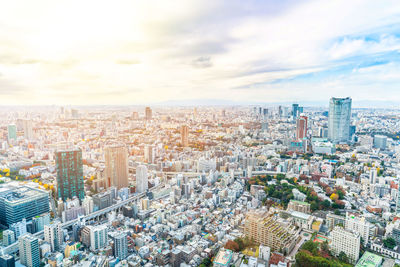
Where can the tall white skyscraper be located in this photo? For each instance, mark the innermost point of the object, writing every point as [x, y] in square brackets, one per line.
[141, 179]
[29, 250]
[339, 119]
[53, 234]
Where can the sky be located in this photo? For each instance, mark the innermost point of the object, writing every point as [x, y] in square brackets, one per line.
[142, 52]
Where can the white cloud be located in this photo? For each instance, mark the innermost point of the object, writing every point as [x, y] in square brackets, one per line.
[124, 52]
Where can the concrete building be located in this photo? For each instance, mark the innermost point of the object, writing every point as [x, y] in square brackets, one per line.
[141, 179]
[300, 206]
[358, 224]
[266, 230]
[22, 202]
[120, 246]
[8, 237]
[98, 236]
[116, 160]
[53, 234]
[345, 241]
[29, 250]
[185, 136]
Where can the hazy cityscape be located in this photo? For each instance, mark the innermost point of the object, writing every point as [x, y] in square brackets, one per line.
[189, 133]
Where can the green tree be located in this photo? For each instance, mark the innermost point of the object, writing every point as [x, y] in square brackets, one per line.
[343, 257]
[389, 242]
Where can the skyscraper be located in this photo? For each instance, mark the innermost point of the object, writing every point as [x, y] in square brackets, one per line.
[148, 113]
[120, 246]
[28, 130]
[295, 110]
[149, 154]
[29, 250]
[339, 119]
[185, 136]
[116, 159]
[141, 179]
[69, 174]
[53, 234]
[301, 129]
[12, 132]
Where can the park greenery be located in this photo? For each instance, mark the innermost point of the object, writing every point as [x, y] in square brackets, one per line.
[280, 192]
[316, 255]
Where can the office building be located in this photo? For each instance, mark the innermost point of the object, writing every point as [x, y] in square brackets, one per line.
[345, 241]
[148, 113]
[380, 141]
[22, 202]
[98, 237]
[53, 234]
[38, 222]
[12, 132]
[223, 258]
[141, 179]
[339, 119]
[8, 237]
[120, 246]
[7, 261]
[69, 168]
[295, 111]
[266, 230]
[301, 128]
[29, 250]
[102, 200]
[185, 136]
[116, 160]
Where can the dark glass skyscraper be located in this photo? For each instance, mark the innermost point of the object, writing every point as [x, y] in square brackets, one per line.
[69, 174]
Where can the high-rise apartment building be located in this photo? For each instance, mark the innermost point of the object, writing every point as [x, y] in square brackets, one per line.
[29, 250]
[339, 119]
[185, 136]
[358, 224]
[345, 241]
[8, 237]
[120, 246]
[141, 179]
[69, 167]
[266, 230]
[149, 154]
[148, 113]
[22, 202]
[301, 128]
[116, 159]
[53, 234]
[98, 236]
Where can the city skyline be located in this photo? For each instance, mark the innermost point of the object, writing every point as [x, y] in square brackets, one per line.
[189, 50]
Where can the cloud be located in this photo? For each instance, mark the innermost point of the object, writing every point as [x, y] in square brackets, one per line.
[202, 62]
[65, 52]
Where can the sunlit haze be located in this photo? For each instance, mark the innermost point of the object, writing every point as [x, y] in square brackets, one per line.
[141, 52]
